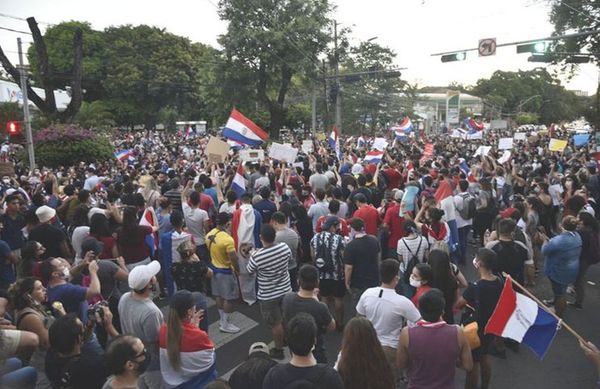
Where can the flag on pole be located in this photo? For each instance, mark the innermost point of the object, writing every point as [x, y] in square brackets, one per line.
[149, 219]
[238, 185]
[445, 201]
[243, 130]
[374, 157]
[519, 318]
[334, 142]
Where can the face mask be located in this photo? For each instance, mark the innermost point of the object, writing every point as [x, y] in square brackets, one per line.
[66, 273]
[6, 181]
[289, 192]
[143, 365]
[475, 263]
[414, 282]
[536, 189]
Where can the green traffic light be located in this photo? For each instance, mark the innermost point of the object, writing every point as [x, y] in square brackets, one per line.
[461, 56]
[539, 47]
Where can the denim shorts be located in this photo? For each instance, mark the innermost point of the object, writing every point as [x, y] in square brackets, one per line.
[559, 290]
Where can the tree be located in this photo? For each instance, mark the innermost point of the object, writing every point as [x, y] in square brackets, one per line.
[96, 114]
[534, 91]
[147, 69]
[273, 40]
[47, 105]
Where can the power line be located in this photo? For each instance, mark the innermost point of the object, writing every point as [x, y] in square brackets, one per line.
[22, 19]
[17, 31]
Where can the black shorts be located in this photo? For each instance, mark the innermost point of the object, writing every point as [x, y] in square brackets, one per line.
[487, 343]
[329, 288]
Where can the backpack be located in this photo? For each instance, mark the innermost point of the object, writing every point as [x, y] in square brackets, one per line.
[324, 259]
[413, 261]
[469, 207]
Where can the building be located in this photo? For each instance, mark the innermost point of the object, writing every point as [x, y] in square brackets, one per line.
[11, 93]
[431, 108]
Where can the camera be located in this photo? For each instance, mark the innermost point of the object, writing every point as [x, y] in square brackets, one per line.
[97, 308]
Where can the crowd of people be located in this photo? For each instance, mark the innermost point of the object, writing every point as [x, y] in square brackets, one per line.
[89, 252]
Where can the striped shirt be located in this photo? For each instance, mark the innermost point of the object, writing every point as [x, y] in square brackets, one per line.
[271, 267]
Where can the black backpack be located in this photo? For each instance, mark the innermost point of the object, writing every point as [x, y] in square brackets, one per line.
[469, 207]
[413, 261]
[324, 260]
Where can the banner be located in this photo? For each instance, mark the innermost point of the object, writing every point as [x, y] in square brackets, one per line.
[505, 144]
[520, 136]
[283, 152]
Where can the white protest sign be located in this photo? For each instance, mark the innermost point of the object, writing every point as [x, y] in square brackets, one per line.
[283, 152]
[505, 144]
[380, 144]
[307, 146]
[505, 157]
[483, 150]
[520, 136]
[252, 155]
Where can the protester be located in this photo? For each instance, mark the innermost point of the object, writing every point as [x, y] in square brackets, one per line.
[126, 359]
[362, 256]
[589, 231]
[251, 373]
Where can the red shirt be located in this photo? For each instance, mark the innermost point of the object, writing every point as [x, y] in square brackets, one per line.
[370, 216]
[420, 292]
[344, 230]
[395, 225]
[394, 177]
[206, 202]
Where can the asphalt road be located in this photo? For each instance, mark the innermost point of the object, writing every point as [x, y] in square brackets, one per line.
[564, 366]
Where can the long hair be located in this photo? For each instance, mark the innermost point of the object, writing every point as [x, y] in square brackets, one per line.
[130, 220]
[443, 279]
[28, 258]
[20, 293]
[363, 363]
[180, 303]
[589, 221]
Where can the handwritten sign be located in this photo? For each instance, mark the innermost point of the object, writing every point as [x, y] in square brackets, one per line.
[216, 150]
[283, 152]
[380, 144]
[505, 144]
[557, 145]
[252, 155]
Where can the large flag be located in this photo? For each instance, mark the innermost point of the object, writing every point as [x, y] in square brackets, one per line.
[242, 129]
[464, 167]
[374, 157]
[149, 219]
[520, 318]
[406, 125]
[445, 201]
[472, 125]
[238, 185]
[428, 152]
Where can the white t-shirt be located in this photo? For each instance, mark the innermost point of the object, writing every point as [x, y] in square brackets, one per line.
[408, 247]
[387, 311]
[194, 221]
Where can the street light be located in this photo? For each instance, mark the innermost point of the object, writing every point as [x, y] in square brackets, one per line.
[372, 39]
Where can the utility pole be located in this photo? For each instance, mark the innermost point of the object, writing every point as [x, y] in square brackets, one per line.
[338, 95]
[26, 116]
[314, 111]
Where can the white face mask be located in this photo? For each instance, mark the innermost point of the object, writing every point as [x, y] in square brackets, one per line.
[289, 192]
[475, 263]
[414, 282]
[66, 273]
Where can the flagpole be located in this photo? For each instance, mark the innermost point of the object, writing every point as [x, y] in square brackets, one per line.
[547, 309]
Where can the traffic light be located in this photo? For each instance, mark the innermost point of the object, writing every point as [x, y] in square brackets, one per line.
[578, 59]
[13, 128]
[535, 47]
[546, 58]
[454, 57]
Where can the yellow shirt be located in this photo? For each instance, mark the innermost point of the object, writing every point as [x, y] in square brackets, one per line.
[219, 249]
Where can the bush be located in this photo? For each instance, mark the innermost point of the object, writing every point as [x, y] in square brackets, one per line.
[68, 145]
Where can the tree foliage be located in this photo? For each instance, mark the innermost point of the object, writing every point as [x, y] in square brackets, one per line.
[270, 41]
[534, 91]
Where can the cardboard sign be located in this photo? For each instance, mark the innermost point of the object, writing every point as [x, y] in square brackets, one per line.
[505, 157]
[216, 150]
[7, 169]
[308, 146]
[483, 150]
[283, 152]
[533, 139]
[505, 144]
[557, 145]
[252, 155]
[380, 144]
[520, 136]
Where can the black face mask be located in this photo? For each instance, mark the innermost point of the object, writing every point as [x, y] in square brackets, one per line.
[143, 365]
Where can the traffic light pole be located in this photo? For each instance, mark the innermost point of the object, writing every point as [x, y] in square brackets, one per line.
[26, 115]
[338, 95]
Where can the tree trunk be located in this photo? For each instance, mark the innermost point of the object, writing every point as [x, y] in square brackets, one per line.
[76, 91]
[43, 67]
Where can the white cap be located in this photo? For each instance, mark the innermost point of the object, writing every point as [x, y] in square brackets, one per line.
[357, 168]
[45, 213]
[141, 275]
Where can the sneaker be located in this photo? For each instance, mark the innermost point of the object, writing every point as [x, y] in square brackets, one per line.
[575, 305]
[229, 328]
[276, 353]
[570, 289]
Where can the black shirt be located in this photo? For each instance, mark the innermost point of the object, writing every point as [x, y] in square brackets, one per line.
[50, 237]
[483, 296]
[363, 254]
[512, 256]
[82, 371]
[189, 275]
[320, 376]
[12, 231]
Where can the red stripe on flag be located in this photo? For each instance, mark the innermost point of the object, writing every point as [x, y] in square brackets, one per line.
[503, 311]
[237, 115]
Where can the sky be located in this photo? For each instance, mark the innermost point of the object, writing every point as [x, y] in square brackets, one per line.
[414, 29]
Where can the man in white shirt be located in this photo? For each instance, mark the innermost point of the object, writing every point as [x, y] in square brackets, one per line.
[91, 179]
[388, 310]
[464, 225]
[196, 221]
[320, 208]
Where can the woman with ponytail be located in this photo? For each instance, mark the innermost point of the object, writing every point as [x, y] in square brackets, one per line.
[187, 355]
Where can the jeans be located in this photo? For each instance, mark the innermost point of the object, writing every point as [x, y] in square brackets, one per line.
[579, 282]
[14, 375]
[294, 278]
[463, 234]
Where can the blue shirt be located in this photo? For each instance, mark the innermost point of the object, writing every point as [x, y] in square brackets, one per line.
[266, 209]
[72, 298]
[212, 192]
[12, 231]
[561, 256]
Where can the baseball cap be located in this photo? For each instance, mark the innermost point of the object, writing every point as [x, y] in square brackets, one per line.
[258, 347]
[507, 213]
[398, 194]
[141, 275]
[45, 213]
